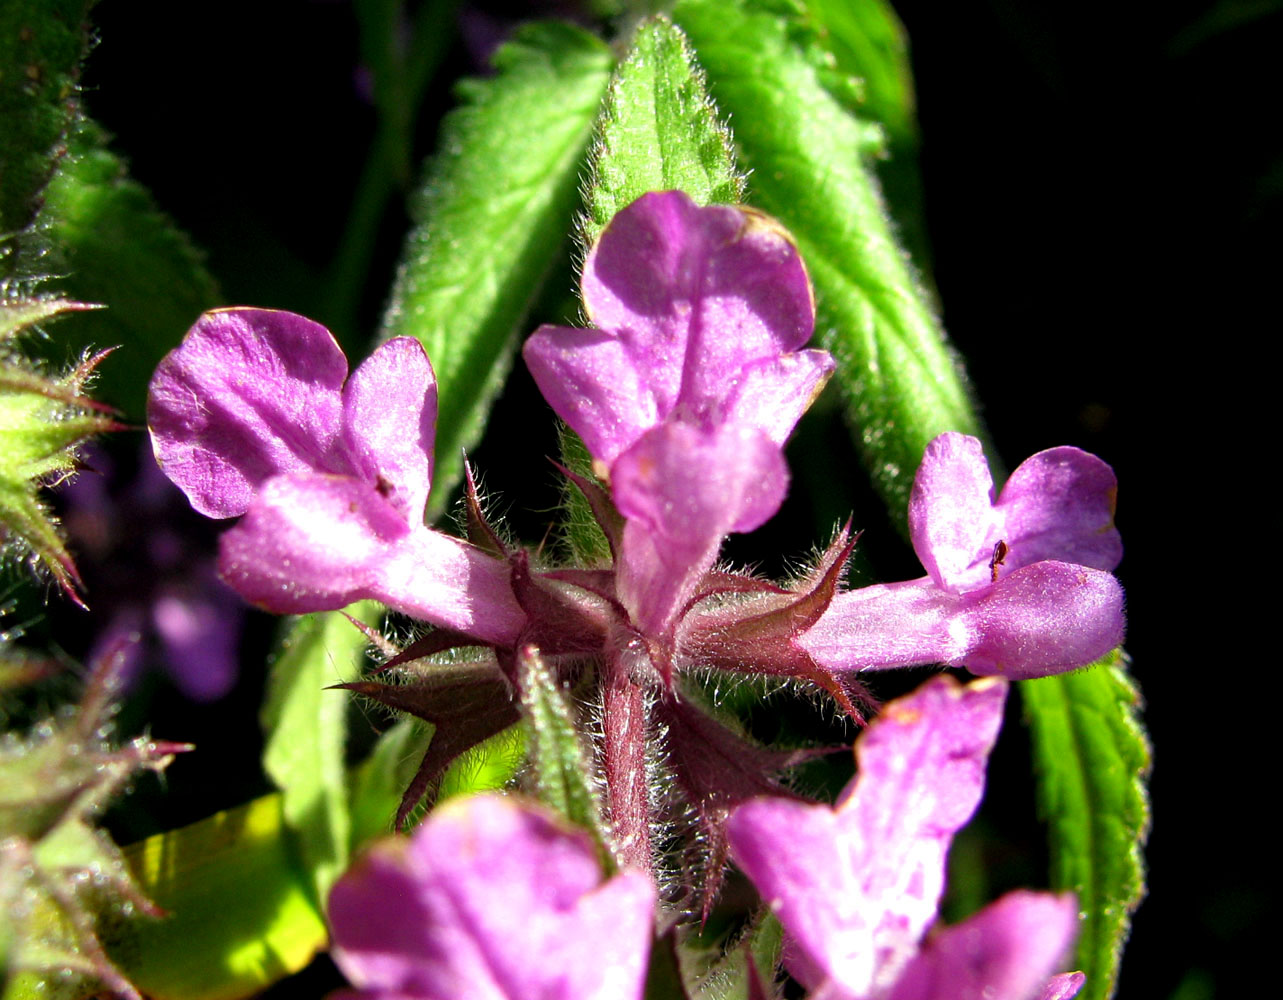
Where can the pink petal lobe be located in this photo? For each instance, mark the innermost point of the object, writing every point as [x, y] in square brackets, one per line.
[951, 518]
[491, 899]
[1043, 619]
[1059, 504]
[679, 280]
[772, 395]
[921, 774]
[389, 424]
[699, 313]
[592, 382]
[248, 394]
[796, 856]
[682, 490]
[1007, 951]
[317, 543]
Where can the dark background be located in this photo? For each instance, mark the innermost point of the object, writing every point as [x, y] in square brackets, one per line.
[1101, 184]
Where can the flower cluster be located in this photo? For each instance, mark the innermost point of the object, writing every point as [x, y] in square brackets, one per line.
[684, 390]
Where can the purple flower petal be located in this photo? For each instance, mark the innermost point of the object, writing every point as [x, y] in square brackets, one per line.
[248, 394]
[889, 625]
[389, 424]
[772, 394]
[1059, 505]
[1042, 619]
[317, 543]
[951, 517]
[856, 886]
[682, 490]
[1063, 987]
[689, 303]
[254, 393]
[593, 383]
[491, 900]
[1007, 951]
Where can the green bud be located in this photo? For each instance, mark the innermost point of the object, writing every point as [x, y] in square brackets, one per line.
[62, 878]
[43, 421]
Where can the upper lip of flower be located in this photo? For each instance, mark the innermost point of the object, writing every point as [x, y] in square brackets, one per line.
[688, 387]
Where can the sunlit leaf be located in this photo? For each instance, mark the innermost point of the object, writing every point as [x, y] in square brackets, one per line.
[241, 913]
[562, 769]
[111, 244]
[307, 734]
[658, 131]
[41, 45]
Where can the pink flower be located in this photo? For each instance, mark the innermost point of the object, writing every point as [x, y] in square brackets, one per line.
[491, 900]
[1019, 586]
[857, 886]
[254, 414]
[687, 385]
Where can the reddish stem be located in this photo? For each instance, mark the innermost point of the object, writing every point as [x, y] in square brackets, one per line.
[627, 801]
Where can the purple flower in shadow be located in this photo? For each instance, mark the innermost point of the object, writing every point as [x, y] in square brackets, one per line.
[857, 886]
[150, 573]
[491, 900]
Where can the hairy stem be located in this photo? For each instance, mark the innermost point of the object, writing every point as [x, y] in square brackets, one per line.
[624, 729]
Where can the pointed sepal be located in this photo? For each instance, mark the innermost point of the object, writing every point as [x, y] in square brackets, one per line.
[467, 702]
[758, 635]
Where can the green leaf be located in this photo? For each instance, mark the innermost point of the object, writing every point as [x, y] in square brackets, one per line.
[658, 131]
[114, 246]
[562, 771]
[241, 914]
[868, 44]
[1092, 759]
[706, 957]
[870, 54]
[497, 204]
[806, 152]
[306, 728]
[585, 542]
[378, 781]
[488, 767]
[664, 973]
[41, 45]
